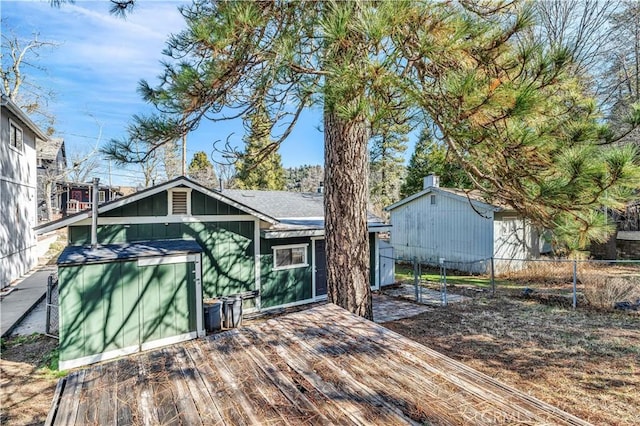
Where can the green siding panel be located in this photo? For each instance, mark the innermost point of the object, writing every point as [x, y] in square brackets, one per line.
[153, 205]
[98, 308]
[166, 292]
[228, 261]
[202, 204]
[157, 205]
[111, 306]
[228, 258]
[79, 235]
[284, 286]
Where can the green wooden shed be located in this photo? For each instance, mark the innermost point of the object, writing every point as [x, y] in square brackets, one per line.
[119, 299]
[161, 251]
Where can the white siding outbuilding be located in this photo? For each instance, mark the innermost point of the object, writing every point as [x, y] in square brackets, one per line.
[439, 223]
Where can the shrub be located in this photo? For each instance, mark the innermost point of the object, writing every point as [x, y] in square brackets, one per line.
[602, 291]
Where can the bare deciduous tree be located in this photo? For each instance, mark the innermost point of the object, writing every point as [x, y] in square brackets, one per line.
[18, 56]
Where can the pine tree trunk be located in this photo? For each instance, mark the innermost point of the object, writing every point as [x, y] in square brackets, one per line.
[345, 206]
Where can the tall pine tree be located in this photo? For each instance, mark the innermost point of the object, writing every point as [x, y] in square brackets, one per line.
[201, 170]
[431, 157]
[510, 112]
[386, 161]
[260, 166]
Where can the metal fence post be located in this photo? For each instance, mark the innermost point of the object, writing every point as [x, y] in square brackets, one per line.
[493, 277]
[443, 281]
[575, 284]
[415, 276]
[419, 282]
[47, 327]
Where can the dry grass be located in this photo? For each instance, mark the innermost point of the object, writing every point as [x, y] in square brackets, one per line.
[26, 383]
[603, 291]
[585, 362]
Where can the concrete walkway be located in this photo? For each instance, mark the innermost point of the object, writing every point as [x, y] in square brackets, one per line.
[426, 296]
[387, 308]
[22, 298]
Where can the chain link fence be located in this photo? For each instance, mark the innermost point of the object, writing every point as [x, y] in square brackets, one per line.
[52, 315]
[600, 284]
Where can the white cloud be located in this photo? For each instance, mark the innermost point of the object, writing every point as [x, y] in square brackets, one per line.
[100, 59]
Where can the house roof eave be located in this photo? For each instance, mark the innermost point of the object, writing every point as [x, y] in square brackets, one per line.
[445, 192]
[70, 220]
[17, 111]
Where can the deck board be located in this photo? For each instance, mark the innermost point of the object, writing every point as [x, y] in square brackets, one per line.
[319, 366]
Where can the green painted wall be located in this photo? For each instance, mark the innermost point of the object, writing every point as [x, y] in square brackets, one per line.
[228, 258]
[228, 262]
[154, 205]
[284, 286]
[202, 204]
[111, 306]
[157, 205]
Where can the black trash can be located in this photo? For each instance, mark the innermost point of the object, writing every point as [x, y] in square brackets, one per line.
[213, 315]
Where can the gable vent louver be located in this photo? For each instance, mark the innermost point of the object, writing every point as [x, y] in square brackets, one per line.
[179, 202]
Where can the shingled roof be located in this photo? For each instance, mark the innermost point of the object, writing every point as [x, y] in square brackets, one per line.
[48, 150]
[280, 204]
[295, 211]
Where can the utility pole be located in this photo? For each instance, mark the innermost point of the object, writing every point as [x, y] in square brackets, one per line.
[94, 212]
[110, 175]
[184, 146]
[184, 154]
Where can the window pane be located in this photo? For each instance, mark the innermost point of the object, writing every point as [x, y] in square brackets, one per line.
[283, 257]
[297, 255]
[290, 257]
[18, 138]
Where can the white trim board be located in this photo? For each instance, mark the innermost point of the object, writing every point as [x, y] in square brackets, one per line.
[141, 220]
[293, 233]
[257, 262]
[129, 350]
[92, 359]
[199, 309]
[168, 341]
[167, 260]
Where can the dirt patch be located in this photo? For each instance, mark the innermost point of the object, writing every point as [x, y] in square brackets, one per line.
[27, 383]
[585, 362]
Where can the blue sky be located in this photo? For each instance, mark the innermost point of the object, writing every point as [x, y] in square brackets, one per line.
[96, 68]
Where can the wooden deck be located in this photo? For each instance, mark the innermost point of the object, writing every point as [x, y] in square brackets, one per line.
[320, 366]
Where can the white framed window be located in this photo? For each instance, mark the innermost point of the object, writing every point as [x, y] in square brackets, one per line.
[433, 200]
[102, 196]
[290, 256]
[15, 136]
[180, 201]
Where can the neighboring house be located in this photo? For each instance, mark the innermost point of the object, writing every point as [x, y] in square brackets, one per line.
[161, 251]
[74, 197]
[625, 243]
[52, 163]
[628, 236]
[18, 191]
[459, 227]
